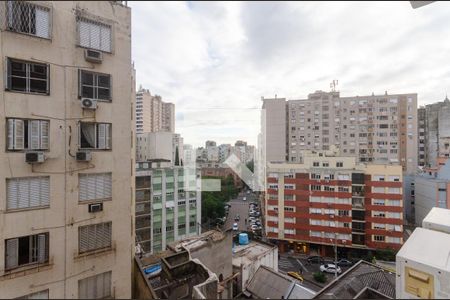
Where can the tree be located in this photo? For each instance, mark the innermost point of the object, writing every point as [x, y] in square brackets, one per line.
[177, 157]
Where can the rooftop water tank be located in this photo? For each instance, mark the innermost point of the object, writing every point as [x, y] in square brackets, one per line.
[243, 238]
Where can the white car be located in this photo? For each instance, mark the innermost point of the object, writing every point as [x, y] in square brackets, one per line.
[235, 227]
[244, 199]
[330, 268]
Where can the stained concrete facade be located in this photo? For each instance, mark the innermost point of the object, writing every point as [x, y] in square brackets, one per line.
[60, 51]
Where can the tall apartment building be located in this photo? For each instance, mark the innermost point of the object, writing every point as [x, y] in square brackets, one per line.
[66, 134]
[168, 204]
[377, 128]
[160, 145]
[434, 132]
[152, 114]
[329, 199]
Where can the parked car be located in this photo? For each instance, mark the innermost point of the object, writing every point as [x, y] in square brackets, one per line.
[235, 227]
[296, 275]
[315, 259]
[237, 218]
[344, 262]
[330, 268]
[244, 199]
[248, 192]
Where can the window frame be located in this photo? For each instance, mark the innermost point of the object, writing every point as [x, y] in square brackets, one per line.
[26, 135]
[10, 210]
[43, 6]
[8, 75]
[31, 256]
[96, 238]
[95, 85]
[99, 21]
[96, 137]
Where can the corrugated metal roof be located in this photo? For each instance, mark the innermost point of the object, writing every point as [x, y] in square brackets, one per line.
[357, 278]
[268, 284]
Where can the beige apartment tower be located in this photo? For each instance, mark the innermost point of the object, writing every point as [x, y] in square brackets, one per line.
[152, 114]
[376, 128]
[66, 158]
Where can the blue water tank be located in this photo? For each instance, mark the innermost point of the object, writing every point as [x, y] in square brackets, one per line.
[243, 239]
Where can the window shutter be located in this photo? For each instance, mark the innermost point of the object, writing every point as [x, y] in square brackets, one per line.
[19, 132]
[12, 193]
[91, 187]
[11, 123]
[12, 253]
[101, 136]
[42, 248]
[33, 134]
[100, 186]
[108, 185]
[45, 190]
[105, 38]
[83, 187]
[95, 32]
[42, 22]
[83, 243]
[24, 193]
[44, 128]
[35, 184]
[108, 133]
[84, 32]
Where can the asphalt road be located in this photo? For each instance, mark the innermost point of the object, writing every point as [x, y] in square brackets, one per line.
[239, 206]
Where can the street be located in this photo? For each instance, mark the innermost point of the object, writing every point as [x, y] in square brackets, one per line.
[239, 206]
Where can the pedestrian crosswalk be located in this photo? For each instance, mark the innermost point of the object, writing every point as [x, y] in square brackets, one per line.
[285, 264]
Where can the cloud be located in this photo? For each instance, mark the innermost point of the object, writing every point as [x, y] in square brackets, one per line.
[215, 60]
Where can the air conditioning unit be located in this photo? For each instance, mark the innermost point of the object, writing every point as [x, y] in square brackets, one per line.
[83, 156]
[34, 157]
[88, 103]
[93, 56]
[95, 207]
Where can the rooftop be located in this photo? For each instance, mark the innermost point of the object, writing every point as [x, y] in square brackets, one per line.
[362, 280]
[198, 241]
[246, 254]
[266, 283]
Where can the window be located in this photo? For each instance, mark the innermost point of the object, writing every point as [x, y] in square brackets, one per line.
[343, 189]
[289, 208]
[316, 164]
[36, 295]
[379, 214]
[26, 250]
[289, 231]
[343, 213]
[316, 187]
[339, 164]
[29, 18]
[27, 192]
[378, 201]
[27, 77]
[94, 85]
[95, 186]
[379, 226]
[94, 35]
[95, 135]
[95, 287]
[378, 238]
[315, 211]
[328, 188]
[394, 240]
[325, 164]
[315, 176]
[28, 134]
[94, 237]
[315, 233]
[394, 191]
[378, 177]
[378, 190]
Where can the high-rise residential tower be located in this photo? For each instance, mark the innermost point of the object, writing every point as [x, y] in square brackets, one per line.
[152, 114]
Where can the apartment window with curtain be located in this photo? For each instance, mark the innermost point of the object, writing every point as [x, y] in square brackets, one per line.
[95, 186]
[28, 18]
[94, 34]
[95, 287]
[95, 135]
[94, 85]
[94, 237]
[27, 77]
[27, 192]
[27, 134]
[26, 250]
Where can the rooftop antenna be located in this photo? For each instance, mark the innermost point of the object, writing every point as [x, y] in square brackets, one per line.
[333, 85]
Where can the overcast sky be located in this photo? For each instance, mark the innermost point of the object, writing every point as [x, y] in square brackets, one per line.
[215, 60]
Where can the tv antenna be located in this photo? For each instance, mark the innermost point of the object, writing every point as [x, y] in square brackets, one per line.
[333, 85]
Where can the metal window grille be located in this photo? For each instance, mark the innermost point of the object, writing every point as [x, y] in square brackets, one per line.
[29, 18]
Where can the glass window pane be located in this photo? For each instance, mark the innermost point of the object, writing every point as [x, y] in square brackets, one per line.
[87, 78]
[38, 71]
[38, 86]
[103, 94]
[18, 68]
[104, 81]
[18, 84]
[87, 91]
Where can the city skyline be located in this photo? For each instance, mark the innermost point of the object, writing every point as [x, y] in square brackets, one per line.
[195, 66]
